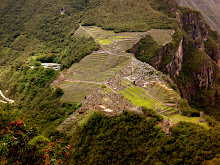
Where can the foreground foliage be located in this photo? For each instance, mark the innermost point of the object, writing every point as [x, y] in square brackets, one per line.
[133, 139]
[22, 144]
[36, 100]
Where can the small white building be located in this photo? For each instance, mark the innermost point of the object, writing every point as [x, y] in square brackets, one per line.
[54, 66]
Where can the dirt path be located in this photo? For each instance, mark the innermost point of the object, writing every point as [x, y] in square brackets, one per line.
[3, 102]
[7, 99]
[170, 40]
[83, 81]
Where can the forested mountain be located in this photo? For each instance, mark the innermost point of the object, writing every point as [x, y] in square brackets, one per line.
[176, 41]
[210, 10]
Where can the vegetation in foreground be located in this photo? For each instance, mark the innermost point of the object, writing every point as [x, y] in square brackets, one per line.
[35, 30]
[125, 139]
[134, 139]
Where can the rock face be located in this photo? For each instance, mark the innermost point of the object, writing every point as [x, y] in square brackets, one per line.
[199, 33]
[196, 28]
[175, 66]
[192, 58]
[209, 8]
[205, 69]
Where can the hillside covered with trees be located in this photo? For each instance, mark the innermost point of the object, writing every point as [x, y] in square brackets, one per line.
[42, 31]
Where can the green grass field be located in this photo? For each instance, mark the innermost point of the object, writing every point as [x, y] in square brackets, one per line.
[80, 32]
[138, 101]
[123, 40]
[75, 92]
[162, 36]
[177, 118]
[139, 97]
[105, 41]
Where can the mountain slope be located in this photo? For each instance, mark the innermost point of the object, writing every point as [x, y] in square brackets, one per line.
[209, 8]
[188, 60]
[116, 15]
[113, 140]
[35, 31]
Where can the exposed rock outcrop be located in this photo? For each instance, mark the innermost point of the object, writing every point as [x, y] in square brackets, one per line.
[175, 66]
[191, 59]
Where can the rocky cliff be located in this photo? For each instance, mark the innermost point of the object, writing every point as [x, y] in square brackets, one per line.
[210, 10]
[196, 28]
[191, 59]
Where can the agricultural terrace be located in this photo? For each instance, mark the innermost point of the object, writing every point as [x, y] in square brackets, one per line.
[123, 81]
[98, 66]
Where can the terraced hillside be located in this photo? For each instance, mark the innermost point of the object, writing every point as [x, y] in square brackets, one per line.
[112, 80]
[145, 87]
[96, 68]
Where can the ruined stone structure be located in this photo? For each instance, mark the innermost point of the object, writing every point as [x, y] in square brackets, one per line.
[108, 103]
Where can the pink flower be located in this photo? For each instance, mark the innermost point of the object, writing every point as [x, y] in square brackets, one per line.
[12, 123]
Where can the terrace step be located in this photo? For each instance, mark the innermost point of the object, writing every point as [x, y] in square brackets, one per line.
[128, 93]
[164, 112]
[170, 114]
[98, 59]
[138, 89]
[133, 92]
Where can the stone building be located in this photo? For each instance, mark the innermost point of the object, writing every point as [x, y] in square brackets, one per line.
[54, 66]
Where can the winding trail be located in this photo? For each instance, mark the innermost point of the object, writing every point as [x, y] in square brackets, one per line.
[3, 102]
[7, 99]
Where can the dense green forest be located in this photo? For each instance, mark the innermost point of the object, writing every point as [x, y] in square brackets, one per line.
[133, 139]
[125, 139]
[35, 31]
